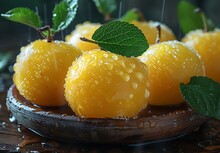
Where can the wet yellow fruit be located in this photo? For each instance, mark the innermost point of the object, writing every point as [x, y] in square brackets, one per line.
[40, 71]
[150, 31]
[86, 30]
[208, 46]
[101, 84]
[170, 63]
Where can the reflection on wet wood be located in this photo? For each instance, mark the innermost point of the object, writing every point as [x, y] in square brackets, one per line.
[15, 138]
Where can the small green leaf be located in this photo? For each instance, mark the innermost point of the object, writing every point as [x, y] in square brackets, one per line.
[203, 95]
[106, 7]
[121, 38]
[130, 15]
[24, 16]
[63, 14]
[189, 20]
[4, 60]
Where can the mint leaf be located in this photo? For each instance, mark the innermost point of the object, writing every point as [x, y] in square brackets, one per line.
[4, 60]
[189, 20]
[24, 16]
[203, 95]
[130, 15]
[106, 7]
[63, 14]
[121, 38]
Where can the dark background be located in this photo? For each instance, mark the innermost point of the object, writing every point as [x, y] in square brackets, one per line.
[14, 35]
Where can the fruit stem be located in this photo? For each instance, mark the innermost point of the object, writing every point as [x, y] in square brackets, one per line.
[88, 40]
[48, 36]
[204, 21]
[158, 34]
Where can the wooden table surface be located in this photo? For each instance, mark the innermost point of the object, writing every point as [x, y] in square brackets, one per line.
[15, 138]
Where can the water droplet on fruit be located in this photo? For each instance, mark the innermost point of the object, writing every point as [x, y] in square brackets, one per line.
[105, 55]
[131, 96]
[134, 85]
[139, 76]
[122, 63]
[109, 66]
[147, 93]
[133, 66]
[126, 77]
[115, 57]
[129, 70]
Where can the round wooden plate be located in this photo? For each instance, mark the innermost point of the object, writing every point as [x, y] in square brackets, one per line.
[60, 123]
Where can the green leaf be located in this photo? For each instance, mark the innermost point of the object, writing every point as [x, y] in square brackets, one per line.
[189, 20]
[203, 95]
[63, 14]
[24, 16]
[121, 38]
[4, 60]
[106, 7]
[130, 15]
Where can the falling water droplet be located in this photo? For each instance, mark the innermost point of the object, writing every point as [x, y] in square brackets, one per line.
[120, 8]
[162, 12]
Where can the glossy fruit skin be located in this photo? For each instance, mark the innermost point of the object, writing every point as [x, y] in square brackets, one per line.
[101, 84]
[170, 63]
[208, 46]
[150, 31]
[40, 71]
[86, 30]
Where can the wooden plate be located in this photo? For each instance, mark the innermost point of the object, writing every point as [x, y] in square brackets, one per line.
[60, 123]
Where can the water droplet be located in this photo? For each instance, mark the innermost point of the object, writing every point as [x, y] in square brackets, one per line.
[122, 63]
[133, 65]
[126, 77]
[105, 55]
[129, 70]
[131, 96]
[134, 85]
[140, 123]
[205, 143]
[12, 118]
[3, 124]
[139, 76]
[152, 124]
[115, 57]
[147, 93]
[109, 66]
[96, 82]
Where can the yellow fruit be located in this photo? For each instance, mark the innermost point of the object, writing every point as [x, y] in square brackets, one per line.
[40, 71]
[208, 46]
[170, 63]
[101, 84]
[86, 29]
[150, 31]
